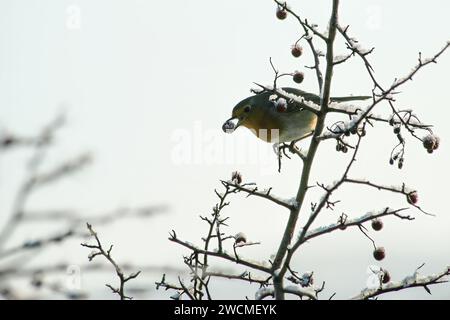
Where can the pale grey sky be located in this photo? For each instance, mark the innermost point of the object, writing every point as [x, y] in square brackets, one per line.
[135, 75]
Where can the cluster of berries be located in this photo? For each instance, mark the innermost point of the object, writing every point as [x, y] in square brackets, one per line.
[296, 49]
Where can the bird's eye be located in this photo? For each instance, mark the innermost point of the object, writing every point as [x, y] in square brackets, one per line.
[247, 109]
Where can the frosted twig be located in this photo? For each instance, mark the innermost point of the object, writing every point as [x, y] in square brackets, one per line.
[100, 251]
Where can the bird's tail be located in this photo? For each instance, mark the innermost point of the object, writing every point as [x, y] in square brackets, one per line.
[349, 98]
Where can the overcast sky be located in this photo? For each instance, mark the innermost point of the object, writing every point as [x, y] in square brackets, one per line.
[145, 81]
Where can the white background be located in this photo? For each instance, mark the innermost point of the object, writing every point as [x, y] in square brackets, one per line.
[132, 75]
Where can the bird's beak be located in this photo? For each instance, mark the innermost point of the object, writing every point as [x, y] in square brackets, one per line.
[229, 126]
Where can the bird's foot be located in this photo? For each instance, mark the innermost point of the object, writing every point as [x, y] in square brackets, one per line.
[293, 148]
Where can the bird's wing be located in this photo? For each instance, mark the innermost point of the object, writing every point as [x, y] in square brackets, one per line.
[306, 95]
[294, 107]
[316, 99]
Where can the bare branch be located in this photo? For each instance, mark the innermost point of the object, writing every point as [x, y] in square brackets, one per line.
[353, 222]
[107, 254]
[266, 194]
[295, 290]
[415, 280]
[223, 255]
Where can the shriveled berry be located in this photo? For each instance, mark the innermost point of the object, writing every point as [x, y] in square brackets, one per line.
[377, 224]
[240, 238]
[400, 163]
[236, 177]
[281, 13]
[428, 142]
[342, 219]
[391, 161]
[431, 142]
[379, 253]
[385, 277]
[412, 197]
[397, 130]
[228, 127]
[298, 77]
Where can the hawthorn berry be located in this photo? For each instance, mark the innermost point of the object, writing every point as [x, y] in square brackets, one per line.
[377, 224]
[240, 238]
[298, 77]
[281, 105]
[281, 13]
[379, 253]
[296, 51]
[385, 277]
[412, 197]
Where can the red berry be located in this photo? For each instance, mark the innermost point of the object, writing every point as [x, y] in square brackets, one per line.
[379, 253]
[298, 77]
[377, 224]
[412, 197]
[281, 13]
[296, 51]
[281, 105]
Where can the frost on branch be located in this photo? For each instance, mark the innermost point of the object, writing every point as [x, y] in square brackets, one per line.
[349, 132]
[415, 280]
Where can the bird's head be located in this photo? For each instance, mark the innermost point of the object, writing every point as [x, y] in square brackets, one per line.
[247, 112]
[241, 113]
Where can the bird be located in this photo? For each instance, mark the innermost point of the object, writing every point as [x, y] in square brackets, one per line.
[276, 120]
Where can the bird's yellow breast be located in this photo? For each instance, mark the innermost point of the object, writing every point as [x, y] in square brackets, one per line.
[275, 126]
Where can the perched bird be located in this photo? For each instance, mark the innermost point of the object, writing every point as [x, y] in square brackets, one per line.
[278, 120]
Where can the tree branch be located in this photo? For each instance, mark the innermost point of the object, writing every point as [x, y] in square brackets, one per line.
[415, 280]
[107, 254]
